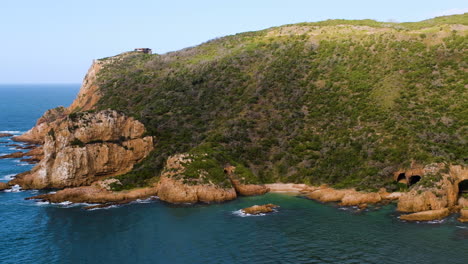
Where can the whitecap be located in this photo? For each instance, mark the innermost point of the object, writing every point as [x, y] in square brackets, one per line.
[148, 200]
[104, 208]
[12, 132]
[14, 188]
[52, 193]
[40, 203]
[242, 214]
[7, 177]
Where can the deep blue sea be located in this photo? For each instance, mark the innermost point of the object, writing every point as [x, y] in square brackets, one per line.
[301, 231]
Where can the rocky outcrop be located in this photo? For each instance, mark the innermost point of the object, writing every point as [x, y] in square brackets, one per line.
[242, 188]
[95, 194]
[87, 147]
[14, 155]
[3, 186]
[259, 209]
[43, 125]
[174, 187]
[175, 191]
[5, 135]
[349, 197]
[427, 215]
[437, 190]
[463, 215]
[89, 93]
[358, 198]
[286, 187]
[249, 189]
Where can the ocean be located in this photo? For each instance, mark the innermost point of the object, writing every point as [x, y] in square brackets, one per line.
[151, 231]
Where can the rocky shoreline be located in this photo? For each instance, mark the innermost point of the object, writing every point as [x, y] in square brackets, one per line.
[82, 150]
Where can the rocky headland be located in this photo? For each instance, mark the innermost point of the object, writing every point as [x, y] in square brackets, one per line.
[207, 130]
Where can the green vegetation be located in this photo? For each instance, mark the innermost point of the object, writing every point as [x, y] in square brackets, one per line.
[311, 102]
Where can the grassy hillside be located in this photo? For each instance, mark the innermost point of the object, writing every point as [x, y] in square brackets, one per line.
[339, 102]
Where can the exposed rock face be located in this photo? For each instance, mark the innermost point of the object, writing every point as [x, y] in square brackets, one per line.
[174, 190]
[426, 215]
[13, 155]
[3, 186]
[440, 193]
[260, 209]
[329, 194]
[463, 215]
[249, 189]
[244, 189]
[357, 198]
[286, 187]
[81, 149]
[89, 93]
[87, 98]
[94, 194]
[43, 125]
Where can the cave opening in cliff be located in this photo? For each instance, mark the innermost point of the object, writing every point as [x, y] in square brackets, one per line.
[401, 177]
[463, 187]
[414, 179]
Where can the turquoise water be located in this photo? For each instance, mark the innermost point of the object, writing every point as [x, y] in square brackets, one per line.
[301, 231]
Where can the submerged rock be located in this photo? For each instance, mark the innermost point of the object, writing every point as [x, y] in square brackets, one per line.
[260, 209]
[5, 135]
[426, 215]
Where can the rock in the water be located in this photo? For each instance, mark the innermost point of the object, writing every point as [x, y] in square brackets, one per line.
[3, 186]
[14, 155]
[426, 215]
[463, 215]
[6, 135]
[94, 194]
[259, 209]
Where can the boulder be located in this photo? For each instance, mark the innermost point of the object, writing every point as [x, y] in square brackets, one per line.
[426, 215]
[259, 209]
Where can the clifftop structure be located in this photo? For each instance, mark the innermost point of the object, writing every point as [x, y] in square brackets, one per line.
[144, 50]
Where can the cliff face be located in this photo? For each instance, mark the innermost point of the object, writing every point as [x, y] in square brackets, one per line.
[437, 190]
[81, 149]
[86, 99]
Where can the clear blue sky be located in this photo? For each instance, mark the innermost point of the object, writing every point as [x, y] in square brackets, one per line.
[55, 41]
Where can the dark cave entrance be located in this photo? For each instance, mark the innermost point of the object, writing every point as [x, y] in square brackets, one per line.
[401, 178]
[414, 179]
[463, 188]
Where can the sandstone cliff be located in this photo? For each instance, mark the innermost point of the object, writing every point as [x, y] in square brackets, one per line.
[86, 99]
[86, 147]
[436, 190]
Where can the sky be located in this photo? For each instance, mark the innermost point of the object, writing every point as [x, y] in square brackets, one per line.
[55, 41]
